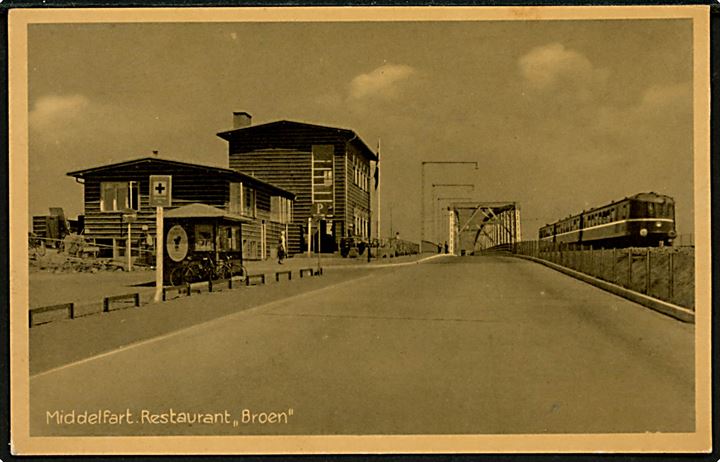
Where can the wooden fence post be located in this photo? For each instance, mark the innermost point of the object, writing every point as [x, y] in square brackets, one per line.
[613, 275]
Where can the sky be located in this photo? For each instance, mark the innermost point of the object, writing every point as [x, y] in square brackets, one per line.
[559, 115]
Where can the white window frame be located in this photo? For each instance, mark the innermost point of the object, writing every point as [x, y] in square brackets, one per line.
[252, 210]
[116, 185]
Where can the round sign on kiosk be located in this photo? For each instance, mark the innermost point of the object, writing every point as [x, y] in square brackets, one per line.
[176, 243]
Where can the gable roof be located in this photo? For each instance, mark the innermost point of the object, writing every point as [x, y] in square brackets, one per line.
[342, 134]
[230, 174]
[197, 210]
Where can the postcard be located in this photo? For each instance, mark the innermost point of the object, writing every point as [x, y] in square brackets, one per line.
[359, 230]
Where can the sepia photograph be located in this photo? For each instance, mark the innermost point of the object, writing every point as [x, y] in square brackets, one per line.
[360, 230]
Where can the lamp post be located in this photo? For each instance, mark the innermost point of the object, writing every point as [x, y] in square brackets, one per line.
[422, 189]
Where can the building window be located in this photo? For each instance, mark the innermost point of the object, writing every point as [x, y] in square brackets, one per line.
[356, 171]
[228, 238]
[203, 238]
[361, 223]
[236, 199]
[250, 205]
[280, 209]
[119, 196]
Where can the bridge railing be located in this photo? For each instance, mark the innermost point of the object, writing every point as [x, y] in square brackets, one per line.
[666, 273]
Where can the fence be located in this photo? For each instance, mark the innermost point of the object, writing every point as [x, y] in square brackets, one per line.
[666, 273]
[77, 245]
[395, 247]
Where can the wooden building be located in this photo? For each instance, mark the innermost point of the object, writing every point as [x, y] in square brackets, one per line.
[325, 167]
[116, 194]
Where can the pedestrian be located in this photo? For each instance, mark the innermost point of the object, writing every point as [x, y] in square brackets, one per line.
[446, 247]
[281, 248]
[280, 253]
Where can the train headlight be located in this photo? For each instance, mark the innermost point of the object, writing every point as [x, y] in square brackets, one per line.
[643, 232]
[658, 224]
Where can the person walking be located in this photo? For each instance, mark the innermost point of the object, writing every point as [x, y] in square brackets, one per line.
[281, 253]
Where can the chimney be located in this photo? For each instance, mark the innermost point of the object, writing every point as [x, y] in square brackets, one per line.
[241, 119]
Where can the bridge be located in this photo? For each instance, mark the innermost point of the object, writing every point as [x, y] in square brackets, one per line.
[478, 226]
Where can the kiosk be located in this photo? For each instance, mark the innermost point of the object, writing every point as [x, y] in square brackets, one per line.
[199, 233]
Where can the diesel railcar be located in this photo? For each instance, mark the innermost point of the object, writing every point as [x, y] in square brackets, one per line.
[642, 220]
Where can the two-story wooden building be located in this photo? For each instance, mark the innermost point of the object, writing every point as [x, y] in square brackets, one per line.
[113, 193]
[326, 166]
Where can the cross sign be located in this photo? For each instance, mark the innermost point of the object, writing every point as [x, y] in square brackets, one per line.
[160, 190]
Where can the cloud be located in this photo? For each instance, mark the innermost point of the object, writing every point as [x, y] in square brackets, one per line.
[661, 109]
[51, 110]
[549, 66]
[380, 82]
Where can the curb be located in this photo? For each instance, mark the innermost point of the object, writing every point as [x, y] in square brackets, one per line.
[670, 309]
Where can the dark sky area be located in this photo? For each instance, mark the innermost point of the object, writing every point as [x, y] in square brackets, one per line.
[560, 115]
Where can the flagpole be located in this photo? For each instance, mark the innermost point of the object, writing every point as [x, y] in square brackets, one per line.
[379, 210]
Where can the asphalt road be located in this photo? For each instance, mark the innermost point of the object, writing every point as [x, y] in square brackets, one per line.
[458, 345]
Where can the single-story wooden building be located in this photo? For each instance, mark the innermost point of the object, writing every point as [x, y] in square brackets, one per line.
[325, 167]
[118, 193]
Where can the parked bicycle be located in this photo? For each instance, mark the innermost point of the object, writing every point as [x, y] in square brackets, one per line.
[204, 269]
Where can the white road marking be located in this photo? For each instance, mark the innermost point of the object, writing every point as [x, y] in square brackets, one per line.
[387, 265]
[196, 327]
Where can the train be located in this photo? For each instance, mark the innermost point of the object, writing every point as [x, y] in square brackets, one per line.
[642, 220]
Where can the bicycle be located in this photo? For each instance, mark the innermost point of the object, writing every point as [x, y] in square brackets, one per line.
[205, 269]
[227, 269]
[186, 273]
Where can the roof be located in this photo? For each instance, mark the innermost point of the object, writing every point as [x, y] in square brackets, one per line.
[229, 173]
[204, 211]
[342, 133]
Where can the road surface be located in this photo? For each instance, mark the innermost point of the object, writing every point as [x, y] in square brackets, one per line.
[470, 345]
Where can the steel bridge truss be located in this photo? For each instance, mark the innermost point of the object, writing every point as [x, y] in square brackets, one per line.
[478, 226]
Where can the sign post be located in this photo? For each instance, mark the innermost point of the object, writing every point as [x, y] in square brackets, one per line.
[129, 218]
[160, 197]
[319, 244]
[309, 237]
[319, 210]
[128, 247]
